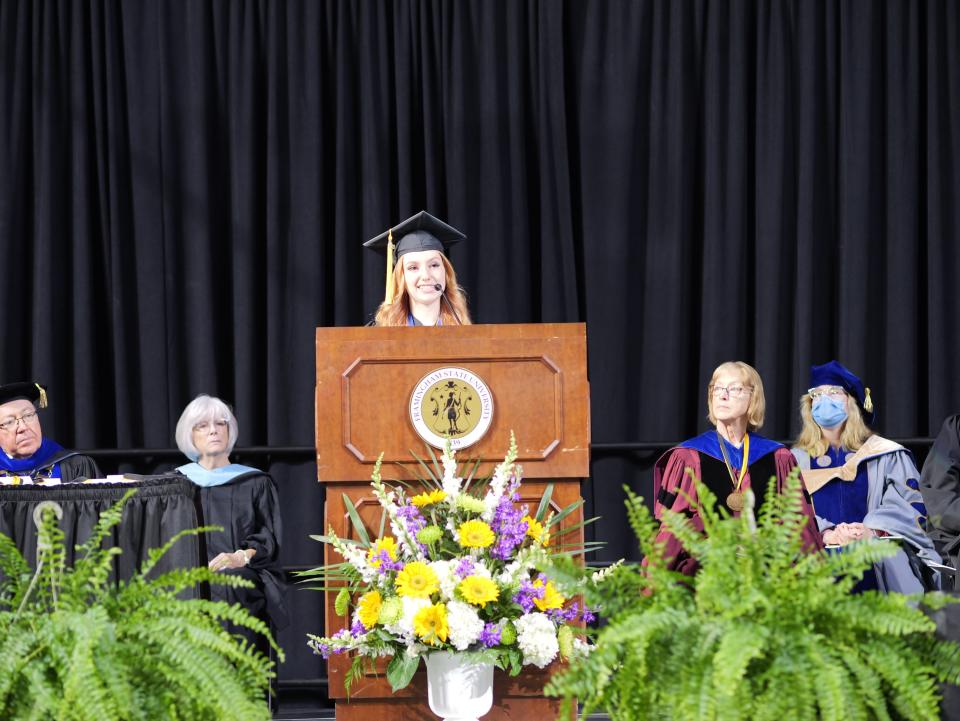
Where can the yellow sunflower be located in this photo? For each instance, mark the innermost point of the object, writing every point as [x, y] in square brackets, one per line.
[430, 624]
[475, 534]
[551, 597]
[368, 609]
[416, 580]
[387, 544]
[428, 499]
[534, 528]
[478, 590]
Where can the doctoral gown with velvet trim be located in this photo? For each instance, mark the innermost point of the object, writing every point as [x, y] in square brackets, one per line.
[674, 489]
[884, 496]
[51, 460]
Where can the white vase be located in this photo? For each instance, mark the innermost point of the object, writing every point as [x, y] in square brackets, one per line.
[457, 690]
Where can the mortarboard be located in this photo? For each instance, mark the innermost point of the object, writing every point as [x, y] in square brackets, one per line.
[419, 232]
[33, 392]
[835, 374]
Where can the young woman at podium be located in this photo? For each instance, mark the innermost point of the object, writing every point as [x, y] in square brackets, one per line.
[422, 285]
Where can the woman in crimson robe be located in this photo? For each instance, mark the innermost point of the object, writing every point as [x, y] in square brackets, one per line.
[729, 460]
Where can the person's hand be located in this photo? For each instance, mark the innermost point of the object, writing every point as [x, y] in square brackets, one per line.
[224, 561]
[830, 537]
[859, 532]
[844, 533]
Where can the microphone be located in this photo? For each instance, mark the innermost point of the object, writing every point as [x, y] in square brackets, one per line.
[439, 289]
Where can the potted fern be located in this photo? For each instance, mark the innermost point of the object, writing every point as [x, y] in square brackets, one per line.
[762, 632]
[76, 646]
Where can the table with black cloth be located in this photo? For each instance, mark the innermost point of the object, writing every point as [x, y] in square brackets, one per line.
[161, 507]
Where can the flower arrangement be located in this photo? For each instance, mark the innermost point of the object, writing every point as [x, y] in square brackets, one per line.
[458, 573]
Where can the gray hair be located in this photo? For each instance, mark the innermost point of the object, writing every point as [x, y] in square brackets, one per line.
[200, 409]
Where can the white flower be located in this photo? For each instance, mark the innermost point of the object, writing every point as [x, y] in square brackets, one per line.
[604, 572]
[581, 648]
[519, 568]
[445, 574]
[480, 569]
[414, 649]
[451, 483]
[404, 626]
[495, 492]
[537, 638]
[464, 624]
[355, 555]
[498, 484]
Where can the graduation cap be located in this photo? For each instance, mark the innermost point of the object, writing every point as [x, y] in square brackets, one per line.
[419, 232]
[835, 374]
[33, 392]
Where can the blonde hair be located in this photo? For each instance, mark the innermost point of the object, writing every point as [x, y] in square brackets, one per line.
[396, 313]
[751, 379]
[200, 409]
[854, 434]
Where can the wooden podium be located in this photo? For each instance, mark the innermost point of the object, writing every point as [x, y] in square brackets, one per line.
[537, 377]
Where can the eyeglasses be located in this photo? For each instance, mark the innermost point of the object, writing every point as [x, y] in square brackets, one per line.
[835, 392]
[11, 424]
[732, 391]
[221, 425]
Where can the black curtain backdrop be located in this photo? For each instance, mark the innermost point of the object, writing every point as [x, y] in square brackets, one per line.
[185, 187]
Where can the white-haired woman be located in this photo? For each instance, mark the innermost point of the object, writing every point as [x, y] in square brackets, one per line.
[729, 459]
[241, 499]
[863, 485]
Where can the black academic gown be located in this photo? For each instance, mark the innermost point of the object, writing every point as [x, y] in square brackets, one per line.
[248, 509]
[940, 488]
[73, 467]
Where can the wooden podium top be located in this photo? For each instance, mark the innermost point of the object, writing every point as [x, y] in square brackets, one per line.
[536, 375]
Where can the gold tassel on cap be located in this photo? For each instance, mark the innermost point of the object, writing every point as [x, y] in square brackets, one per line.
[43, 395]
[390, 291]
[867, 403]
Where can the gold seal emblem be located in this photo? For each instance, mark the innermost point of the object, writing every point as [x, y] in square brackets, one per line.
[451, 403]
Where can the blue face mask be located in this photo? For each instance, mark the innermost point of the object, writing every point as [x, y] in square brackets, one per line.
[829, 412]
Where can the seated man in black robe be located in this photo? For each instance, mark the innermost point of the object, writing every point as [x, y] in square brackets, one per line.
[940, 487]
[26, 453]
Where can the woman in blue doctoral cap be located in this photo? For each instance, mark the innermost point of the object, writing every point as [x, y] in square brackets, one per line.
[862, 485]
[421, 285]
[729, 459]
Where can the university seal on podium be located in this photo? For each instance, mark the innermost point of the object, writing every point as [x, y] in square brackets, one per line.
[451, 403]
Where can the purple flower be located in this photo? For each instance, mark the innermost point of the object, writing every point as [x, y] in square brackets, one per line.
[564, 615]
[588, 615]
[490, 635]
[357, 629]
[415, 521]
[508, 524]
[527, 593]
[386, 565]
[464, 568]
[324, 649]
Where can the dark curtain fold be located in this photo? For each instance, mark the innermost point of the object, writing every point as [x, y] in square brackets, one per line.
[185, 187]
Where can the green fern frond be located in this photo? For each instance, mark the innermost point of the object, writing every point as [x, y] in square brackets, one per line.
[75, 647]
[764, 631]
